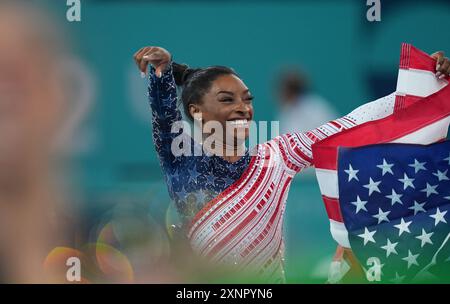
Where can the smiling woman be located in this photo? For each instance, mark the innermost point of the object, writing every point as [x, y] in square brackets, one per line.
[218, 97]
[232, 208]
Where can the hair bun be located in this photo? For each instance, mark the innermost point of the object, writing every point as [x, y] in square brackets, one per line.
[182, 72]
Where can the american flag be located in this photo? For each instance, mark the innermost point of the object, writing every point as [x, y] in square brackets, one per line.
[395, 201]
[421, 116]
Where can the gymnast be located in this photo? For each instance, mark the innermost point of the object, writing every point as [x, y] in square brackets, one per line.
[231, 200]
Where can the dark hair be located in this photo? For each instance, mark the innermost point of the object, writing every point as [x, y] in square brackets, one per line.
[195, 83]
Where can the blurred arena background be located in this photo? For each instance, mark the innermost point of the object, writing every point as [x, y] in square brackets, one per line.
[123, 210]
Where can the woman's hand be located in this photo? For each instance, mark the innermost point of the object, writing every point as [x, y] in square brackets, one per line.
[442, 64]
[156, 56]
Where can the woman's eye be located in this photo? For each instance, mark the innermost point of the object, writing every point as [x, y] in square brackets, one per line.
[226, 99]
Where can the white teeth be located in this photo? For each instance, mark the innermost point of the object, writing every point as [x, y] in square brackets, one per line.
[239, 122]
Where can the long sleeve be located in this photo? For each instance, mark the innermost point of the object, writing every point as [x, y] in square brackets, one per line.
[163, 99]
[297, 146]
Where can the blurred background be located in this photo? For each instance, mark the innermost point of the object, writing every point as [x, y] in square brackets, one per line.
[92, 136]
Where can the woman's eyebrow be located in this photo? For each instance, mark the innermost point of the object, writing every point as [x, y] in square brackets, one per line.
[225, 92]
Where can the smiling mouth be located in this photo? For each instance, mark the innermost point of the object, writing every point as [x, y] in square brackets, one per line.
[241, 123]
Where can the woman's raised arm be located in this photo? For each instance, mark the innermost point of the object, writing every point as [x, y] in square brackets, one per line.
[163, 99]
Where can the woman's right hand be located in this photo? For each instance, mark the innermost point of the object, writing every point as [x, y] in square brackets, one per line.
[156, 56]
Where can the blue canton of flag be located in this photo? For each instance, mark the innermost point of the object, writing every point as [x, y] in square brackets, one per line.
[395, 201]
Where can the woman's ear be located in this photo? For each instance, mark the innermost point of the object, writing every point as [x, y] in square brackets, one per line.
[195, 111]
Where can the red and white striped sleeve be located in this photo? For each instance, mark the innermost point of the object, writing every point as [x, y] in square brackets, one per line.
[296, 147]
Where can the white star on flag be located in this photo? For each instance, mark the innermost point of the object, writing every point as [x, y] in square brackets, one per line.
[418, 207]
[403, 227]
[372, 186]
[448, 159]
[351, 173]
[425, 238]
[430, 190]
[418, 166]
[381, 216]
[360, 205]
[395, 197]
[390, 248]
[398, 279]
[367, 236]
[407, 182]
[411, 259]
[441, 175]
[386, 167]
[439, 217]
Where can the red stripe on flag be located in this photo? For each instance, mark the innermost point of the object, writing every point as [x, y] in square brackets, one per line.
[399, 103]
[333, 209]
[403, 56]
[418, 115]
[420, 60]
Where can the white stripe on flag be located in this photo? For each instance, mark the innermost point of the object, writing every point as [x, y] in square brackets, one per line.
[427, 135]
[328, 182]
[418, 83]
[339, 233]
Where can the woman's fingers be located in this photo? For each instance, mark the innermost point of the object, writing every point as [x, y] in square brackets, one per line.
[143, 65]
[153, 56]
[138, 57]
[448, 69]
[442, 64]
[150, 54]
[140, 51]
[439, 56]
[444, 68]
[156, 56]
[135, 56]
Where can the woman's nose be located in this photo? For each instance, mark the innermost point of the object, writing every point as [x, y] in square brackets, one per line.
[243, 107]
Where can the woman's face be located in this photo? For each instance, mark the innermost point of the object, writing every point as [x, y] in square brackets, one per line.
[228, 102]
